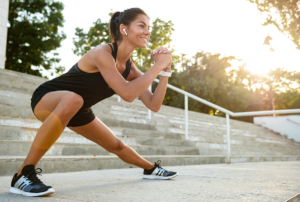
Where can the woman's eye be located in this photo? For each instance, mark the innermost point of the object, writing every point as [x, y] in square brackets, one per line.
[142, 26]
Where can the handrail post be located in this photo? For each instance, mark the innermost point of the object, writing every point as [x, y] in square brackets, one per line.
[149, 111]
[186, 117]
[228, 138]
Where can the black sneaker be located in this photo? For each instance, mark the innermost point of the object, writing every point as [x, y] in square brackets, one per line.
[158, 172]
[28, 184]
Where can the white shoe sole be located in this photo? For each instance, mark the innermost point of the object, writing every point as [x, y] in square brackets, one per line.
[18, 191]
[156, 177]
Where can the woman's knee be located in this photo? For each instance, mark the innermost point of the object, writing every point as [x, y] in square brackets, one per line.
[72, 101]
[118, 146]
[69, 105]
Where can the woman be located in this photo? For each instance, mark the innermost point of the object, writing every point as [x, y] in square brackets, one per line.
[66, 100]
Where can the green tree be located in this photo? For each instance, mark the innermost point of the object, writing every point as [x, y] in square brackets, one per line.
[33, 34]
[206, 75]
[284, 14]
[98, 34]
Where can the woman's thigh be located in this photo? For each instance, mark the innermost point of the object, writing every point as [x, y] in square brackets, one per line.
[99, 133]
[50, 101]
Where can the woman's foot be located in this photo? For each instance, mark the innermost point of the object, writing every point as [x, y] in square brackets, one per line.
[158, 172]
[28, 184]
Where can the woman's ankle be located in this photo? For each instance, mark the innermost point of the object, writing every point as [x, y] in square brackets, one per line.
[20, 170]
[149, 168]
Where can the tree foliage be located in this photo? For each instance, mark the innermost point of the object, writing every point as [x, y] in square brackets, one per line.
[284, 14]
[206, 76]
[33, 34]
[98, 34]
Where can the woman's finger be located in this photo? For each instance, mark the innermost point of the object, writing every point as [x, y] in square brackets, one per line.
[166, 51]
[160, 49]
[151, 52]
[157, 50]
[163, 49]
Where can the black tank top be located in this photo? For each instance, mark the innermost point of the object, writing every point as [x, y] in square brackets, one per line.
[90, 86]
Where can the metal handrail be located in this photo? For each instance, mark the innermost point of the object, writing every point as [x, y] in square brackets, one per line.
[228, 113]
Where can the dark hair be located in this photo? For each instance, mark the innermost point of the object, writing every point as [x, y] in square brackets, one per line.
[125, 17]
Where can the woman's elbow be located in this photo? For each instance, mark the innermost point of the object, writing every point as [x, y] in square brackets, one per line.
[128, 98]
[155, 109]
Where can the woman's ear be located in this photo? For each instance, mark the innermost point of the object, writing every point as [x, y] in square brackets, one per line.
[123, 29]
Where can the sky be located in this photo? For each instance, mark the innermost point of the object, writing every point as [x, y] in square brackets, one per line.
[231, 28]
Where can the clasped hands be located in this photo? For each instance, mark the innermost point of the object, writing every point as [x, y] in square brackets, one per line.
[162, 50]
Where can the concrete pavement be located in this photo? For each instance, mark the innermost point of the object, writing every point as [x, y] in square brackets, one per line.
[262, 181]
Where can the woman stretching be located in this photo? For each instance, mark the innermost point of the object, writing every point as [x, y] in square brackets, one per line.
[66, 100]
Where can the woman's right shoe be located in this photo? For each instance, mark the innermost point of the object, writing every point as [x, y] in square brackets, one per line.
[28, 184]
[158, 173]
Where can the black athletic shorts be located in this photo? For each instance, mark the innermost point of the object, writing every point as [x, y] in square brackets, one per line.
[82, 117]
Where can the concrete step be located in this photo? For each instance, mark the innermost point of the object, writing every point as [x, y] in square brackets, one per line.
[68, 136]
[166, 111]
[19, 148]
[142, 146]
[26, 134]
[11, 101]
[14, 75]
[157, 115]
[36, 81]
[17, 86]
[8, 106]
[15, 95]
[51, 164]
[206, 134]
[144, 112]
[27, 112]
[54, 164]
[249, 146]
[211, 138]
[235, 139]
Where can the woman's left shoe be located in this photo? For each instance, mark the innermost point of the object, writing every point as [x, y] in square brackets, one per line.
[158, 172]
[28, 184]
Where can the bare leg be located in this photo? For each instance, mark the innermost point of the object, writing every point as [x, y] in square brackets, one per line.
[99, 133]
[55, 110]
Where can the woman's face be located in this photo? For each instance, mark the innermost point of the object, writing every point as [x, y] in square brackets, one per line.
[138, 31]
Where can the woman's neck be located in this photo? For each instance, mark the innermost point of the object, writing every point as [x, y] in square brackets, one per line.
[125, 50]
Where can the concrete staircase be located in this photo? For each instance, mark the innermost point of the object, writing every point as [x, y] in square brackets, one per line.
[159, 138]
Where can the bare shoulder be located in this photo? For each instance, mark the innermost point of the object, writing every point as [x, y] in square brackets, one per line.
[103, 48]
[102, 54]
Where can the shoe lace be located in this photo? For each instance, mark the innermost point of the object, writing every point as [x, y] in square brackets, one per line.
[157, 164]
[33, 178]
[160, 169]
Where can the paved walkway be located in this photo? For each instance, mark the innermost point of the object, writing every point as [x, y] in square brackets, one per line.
[263, 181]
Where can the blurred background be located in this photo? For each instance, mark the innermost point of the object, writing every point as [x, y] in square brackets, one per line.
[240, 54]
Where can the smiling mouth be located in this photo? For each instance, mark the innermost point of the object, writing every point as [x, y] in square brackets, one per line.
[144, 39]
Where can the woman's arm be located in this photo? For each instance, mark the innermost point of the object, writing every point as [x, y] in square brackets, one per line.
[131, 90]
[155, 100]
